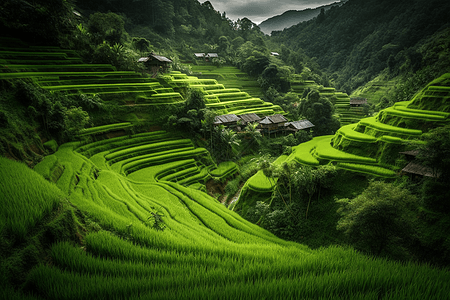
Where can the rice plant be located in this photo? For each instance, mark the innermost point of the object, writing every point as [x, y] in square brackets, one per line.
[26, 197]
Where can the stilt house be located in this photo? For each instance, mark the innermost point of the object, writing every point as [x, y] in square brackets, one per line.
[156, 64]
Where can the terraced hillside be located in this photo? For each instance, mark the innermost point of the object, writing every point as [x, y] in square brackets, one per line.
[61, 70]
[341, 101]
[372, 145]
[237, 81]
[229, 76]
[221, 98]
[111, 222]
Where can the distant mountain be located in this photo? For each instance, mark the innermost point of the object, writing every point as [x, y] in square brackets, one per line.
[292, 17]
[359, 39]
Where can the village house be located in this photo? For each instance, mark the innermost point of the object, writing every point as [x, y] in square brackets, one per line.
[230, 120]
[357, 101]
[414, 168]
[249, 118]
[207, 57]
[199, 56]
[272, 124]
[298, 125]
[155, 64]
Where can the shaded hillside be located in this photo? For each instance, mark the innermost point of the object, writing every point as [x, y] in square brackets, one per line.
[356, 41]
[291, 17]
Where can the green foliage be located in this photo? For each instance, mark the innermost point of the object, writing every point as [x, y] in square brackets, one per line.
[51, 145]
[46, 23]
[106, 27]
[435, 152]
[356, 41]
[75, 120]
[319, 111]
[379, 220]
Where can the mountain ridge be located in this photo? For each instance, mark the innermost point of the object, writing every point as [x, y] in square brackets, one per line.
[292, 17]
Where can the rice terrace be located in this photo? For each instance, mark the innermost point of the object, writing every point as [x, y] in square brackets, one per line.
[161, 150]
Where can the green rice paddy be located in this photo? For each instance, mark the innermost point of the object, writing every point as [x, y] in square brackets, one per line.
[133, 228]
[200, 251]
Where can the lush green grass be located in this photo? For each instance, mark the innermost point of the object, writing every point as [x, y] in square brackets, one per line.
[368, 169]
[303, 153]
[25, 198]
[224, 169]
[260, 182]
[104, 128]
[141, 238]
[372, 122]
[200, 251]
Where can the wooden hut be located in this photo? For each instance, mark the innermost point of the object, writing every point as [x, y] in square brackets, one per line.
[357, 102]
[199, 56]
[209, 56]
[272, 123]
[249, 118]
[298, 125]
[415, 169]
[156, 64]
[230, 120]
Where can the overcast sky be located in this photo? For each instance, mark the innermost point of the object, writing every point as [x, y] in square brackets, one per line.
[260, 10]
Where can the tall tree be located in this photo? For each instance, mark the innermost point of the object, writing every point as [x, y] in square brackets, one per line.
[319, 110]
[379, 219]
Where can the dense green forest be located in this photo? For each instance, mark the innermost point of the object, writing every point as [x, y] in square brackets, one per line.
[118, 182]
[358, 40]
[292, 17]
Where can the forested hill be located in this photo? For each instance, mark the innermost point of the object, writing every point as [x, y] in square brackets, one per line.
[357, 40]
[292, 17]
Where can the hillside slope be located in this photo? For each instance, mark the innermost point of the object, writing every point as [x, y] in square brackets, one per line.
[123, 238]
[359, 39]
[291, 17]
[373, 145]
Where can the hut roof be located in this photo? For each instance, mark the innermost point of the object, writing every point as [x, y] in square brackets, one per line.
[154, 56]
[199, 55]
[411, 152]
[212, 55]
[299, 125]
[274, 119]
[358, 101]
[415, 167]
[226, 119]
[161, 58]
[247, 118]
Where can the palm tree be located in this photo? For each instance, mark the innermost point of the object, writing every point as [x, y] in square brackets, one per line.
[230, 138]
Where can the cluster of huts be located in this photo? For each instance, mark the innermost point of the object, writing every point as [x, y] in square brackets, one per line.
[267, 125]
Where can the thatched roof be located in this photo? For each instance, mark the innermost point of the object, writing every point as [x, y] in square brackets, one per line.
[299, 125]
[154, 57]
[274, 119]
[249, 118]
[410, 152]
[224, 119]
[417, 168]
[358, 101]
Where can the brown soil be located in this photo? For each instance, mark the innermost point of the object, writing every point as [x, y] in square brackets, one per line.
[213, 188]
